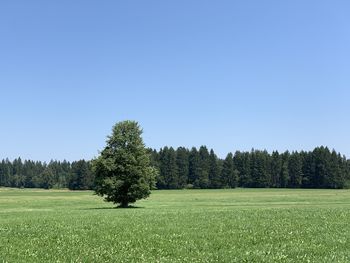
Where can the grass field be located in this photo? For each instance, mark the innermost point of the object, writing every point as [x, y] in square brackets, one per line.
[240, 225]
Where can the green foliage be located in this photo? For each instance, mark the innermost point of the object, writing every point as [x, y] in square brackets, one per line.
[168, 169]
[45, 179]
[229, 174]
[81, 177]
[260, 175]
[203, 176]
[295, 170]
[194, 162]
[123, 171]
[175, 169]
[214, 171]
[276, 168]
[284, 175]
[242, 162]
[182, 166]
[30, 174]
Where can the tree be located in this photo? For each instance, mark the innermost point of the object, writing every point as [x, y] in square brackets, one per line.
[5, 173]
[276, 168]
[81, 176]
[168, 169]
[241, 162]
[229, 174]
[214, 171]
[123, 171]
[29, 173]
[295, 170]
[321, 157]
[203, 178]
[260, 169]
[284, 179]
[46, 178]
[308, 169]
[154, 158]
[194, 168]
[17, 170]
[182, 165]
[337, 171]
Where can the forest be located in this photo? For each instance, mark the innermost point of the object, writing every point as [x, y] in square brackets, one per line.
[197, 168]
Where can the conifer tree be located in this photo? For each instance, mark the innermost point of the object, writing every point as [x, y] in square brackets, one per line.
[194, 168]
[229, 174]
[276, 169]
[284, 174]
[203, 178]
[242, 163]
[81, 177]
[182, 155]
[295, 170]
[214, 171]
[168, 169]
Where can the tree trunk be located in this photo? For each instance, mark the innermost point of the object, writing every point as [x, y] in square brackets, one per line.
[124, 205]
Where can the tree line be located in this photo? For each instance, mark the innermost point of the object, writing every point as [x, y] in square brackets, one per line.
[77, 175]
[197, 168]
[200, 168]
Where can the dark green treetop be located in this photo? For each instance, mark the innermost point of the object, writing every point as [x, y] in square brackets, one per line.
[123, 171]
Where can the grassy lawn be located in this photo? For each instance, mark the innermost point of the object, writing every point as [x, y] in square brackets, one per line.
[239, 225]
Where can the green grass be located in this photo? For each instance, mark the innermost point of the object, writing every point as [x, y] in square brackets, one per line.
[240, 225]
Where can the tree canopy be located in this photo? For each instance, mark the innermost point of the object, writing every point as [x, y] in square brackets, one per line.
[184, 168]
[123, 171]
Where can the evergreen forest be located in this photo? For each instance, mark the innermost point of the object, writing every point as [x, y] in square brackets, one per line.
[197, 168]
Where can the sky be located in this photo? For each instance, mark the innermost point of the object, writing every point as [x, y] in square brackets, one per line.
[231, 75]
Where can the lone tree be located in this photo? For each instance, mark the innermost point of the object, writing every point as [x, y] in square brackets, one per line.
[123, 171]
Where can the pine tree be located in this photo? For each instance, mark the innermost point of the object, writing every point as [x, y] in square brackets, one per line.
[46, 178]
[260, 172]
[168, 169]
[29, 173]
[229, 174]
[81, 177]
[194, 168]
[160, 180]
[154, 158]
[308, 169]
[336, 174]
[321, 158]
[214, 171]
[295, 170]
[241, 162]
[3, 173]
[203, 178]
[18, 179]
[182, 155]
[276, 169]
[284, 179]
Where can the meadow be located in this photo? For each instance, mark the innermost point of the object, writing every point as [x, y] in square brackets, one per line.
[233, 225]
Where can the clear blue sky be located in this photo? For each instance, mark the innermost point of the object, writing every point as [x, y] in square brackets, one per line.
[228, 74]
